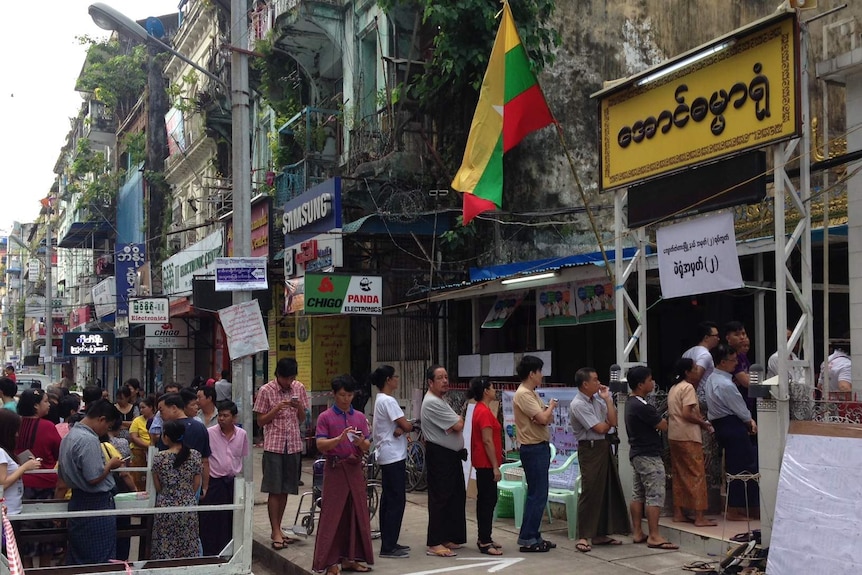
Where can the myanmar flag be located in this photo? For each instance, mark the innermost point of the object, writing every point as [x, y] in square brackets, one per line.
[511, 105]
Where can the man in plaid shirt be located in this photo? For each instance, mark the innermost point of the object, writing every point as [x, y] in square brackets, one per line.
[280, 407]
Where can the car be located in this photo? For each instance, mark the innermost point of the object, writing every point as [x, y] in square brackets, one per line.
[32, 381]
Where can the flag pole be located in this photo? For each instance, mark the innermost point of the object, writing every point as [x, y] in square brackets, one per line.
[583, 194]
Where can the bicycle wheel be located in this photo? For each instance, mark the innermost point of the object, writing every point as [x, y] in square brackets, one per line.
[416, 479]
[373, 500]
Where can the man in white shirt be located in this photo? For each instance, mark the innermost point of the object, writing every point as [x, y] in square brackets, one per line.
[699, 354]
[223, 387]
[795, 374]
[390, 425]
[837, 383]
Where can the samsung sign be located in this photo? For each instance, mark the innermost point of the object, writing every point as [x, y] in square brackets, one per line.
[316, 211]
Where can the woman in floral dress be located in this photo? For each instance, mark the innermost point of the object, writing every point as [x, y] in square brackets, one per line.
[177, 477]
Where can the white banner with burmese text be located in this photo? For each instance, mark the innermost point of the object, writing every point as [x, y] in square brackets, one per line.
[698, 256]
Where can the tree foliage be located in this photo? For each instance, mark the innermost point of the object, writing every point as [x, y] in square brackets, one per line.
[280, 79]
[463, 32]
[115, 73]
[91, 178]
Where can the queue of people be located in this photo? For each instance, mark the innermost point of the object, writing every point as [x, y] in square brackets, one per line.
[89, 446]
[201, 451]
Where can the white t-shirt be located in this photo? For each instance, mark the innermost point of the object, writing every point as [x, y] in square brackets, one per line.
[15, 493]
[838, 367]
[701, 358]
[796, 374]
[389, 448]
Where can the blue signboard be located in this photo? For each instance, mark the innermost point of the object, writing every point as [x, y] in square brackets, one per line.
[315, 212]
[129, 258]
[233, 274]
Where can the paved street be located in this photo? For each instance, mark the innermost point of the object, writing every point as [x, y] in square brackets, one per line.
[627, 559]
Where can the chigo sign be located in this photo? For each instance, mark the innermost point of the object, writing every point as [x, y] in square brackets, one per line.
[737, 93]
[343, 294]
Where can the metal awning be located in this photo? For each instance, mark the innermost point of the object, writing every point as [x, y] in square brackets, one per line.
[83, 234]
[423, 225]
[544, 265]
[488, 280]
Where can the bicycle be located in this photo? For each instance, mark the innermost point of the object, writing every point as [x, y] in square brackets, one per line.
[417, 478]
[372, 492]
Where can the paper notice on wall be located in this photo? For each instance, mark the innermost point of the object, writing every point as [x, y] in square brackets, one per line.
[698, 256]
[243, 326]
[501, 364]
[470, 365]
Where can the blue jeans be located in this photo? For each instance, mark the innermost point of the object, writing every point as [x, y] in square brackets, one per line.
[536, 460]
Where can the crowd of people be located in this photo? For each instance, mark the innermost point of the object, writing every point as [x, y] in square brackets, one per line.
[83, 445]
[88, 441]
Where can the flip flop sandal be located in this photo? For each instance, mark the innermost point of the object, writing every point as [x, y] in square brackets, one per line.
[441, 553]
[667, 545]
[699, 567]
[734, 556]
[489, 549]
[583, 547]
[608, 541]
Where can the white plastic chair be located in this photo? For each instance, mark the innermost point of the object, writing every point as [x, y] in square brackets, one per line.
[568, 497]
[517, 487]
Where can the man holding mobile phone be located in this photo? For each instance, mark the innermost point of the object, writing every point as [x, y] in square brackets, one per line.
[532, 418]
[280, 407]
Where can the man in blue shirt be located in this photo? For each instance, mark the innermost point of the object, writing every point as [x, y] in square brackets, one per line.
[172, 407]
[83, 467]
[729, 415]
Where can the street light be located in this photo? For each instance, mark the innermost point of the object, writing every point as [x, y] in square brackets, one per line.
[109, 19]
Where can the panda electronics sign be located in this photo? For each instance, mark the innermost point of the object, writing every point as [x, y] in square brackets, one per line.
[343, 294]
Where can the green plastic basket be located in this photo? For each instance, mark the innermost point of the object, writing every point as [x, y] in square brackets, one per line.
[505, 505]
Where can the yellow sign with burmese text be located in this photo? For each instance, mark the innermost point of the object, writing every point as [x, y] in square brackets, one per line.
[742, 95]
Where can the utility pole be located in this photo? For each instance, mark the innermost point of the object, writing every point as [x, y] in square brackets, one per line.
[49, 296]
[241, 174]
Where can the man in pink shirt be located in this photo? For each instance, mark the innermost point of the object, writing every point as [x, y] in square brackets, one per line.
[280, 407]
[229, 445]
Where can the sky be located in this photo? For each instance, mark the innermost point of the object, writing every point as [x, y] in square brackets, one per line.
[41, 61]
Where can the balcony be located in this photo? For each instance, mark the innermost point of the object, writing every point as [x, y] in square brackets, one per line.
[308, 30]
[288, 6]
[293, 181]
[316, 135]
[100, 126]
[262, 19]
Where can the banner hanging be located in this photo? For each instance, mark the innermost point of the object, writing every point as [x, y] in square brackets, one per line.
[698, 256]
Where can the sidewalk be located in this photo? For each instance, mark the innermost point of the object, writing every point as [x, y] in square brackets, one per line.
[628, 559]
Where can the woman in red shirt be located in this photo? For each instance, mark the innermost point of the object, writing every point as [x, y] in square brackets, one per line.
[40, 436]
[487, 454]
